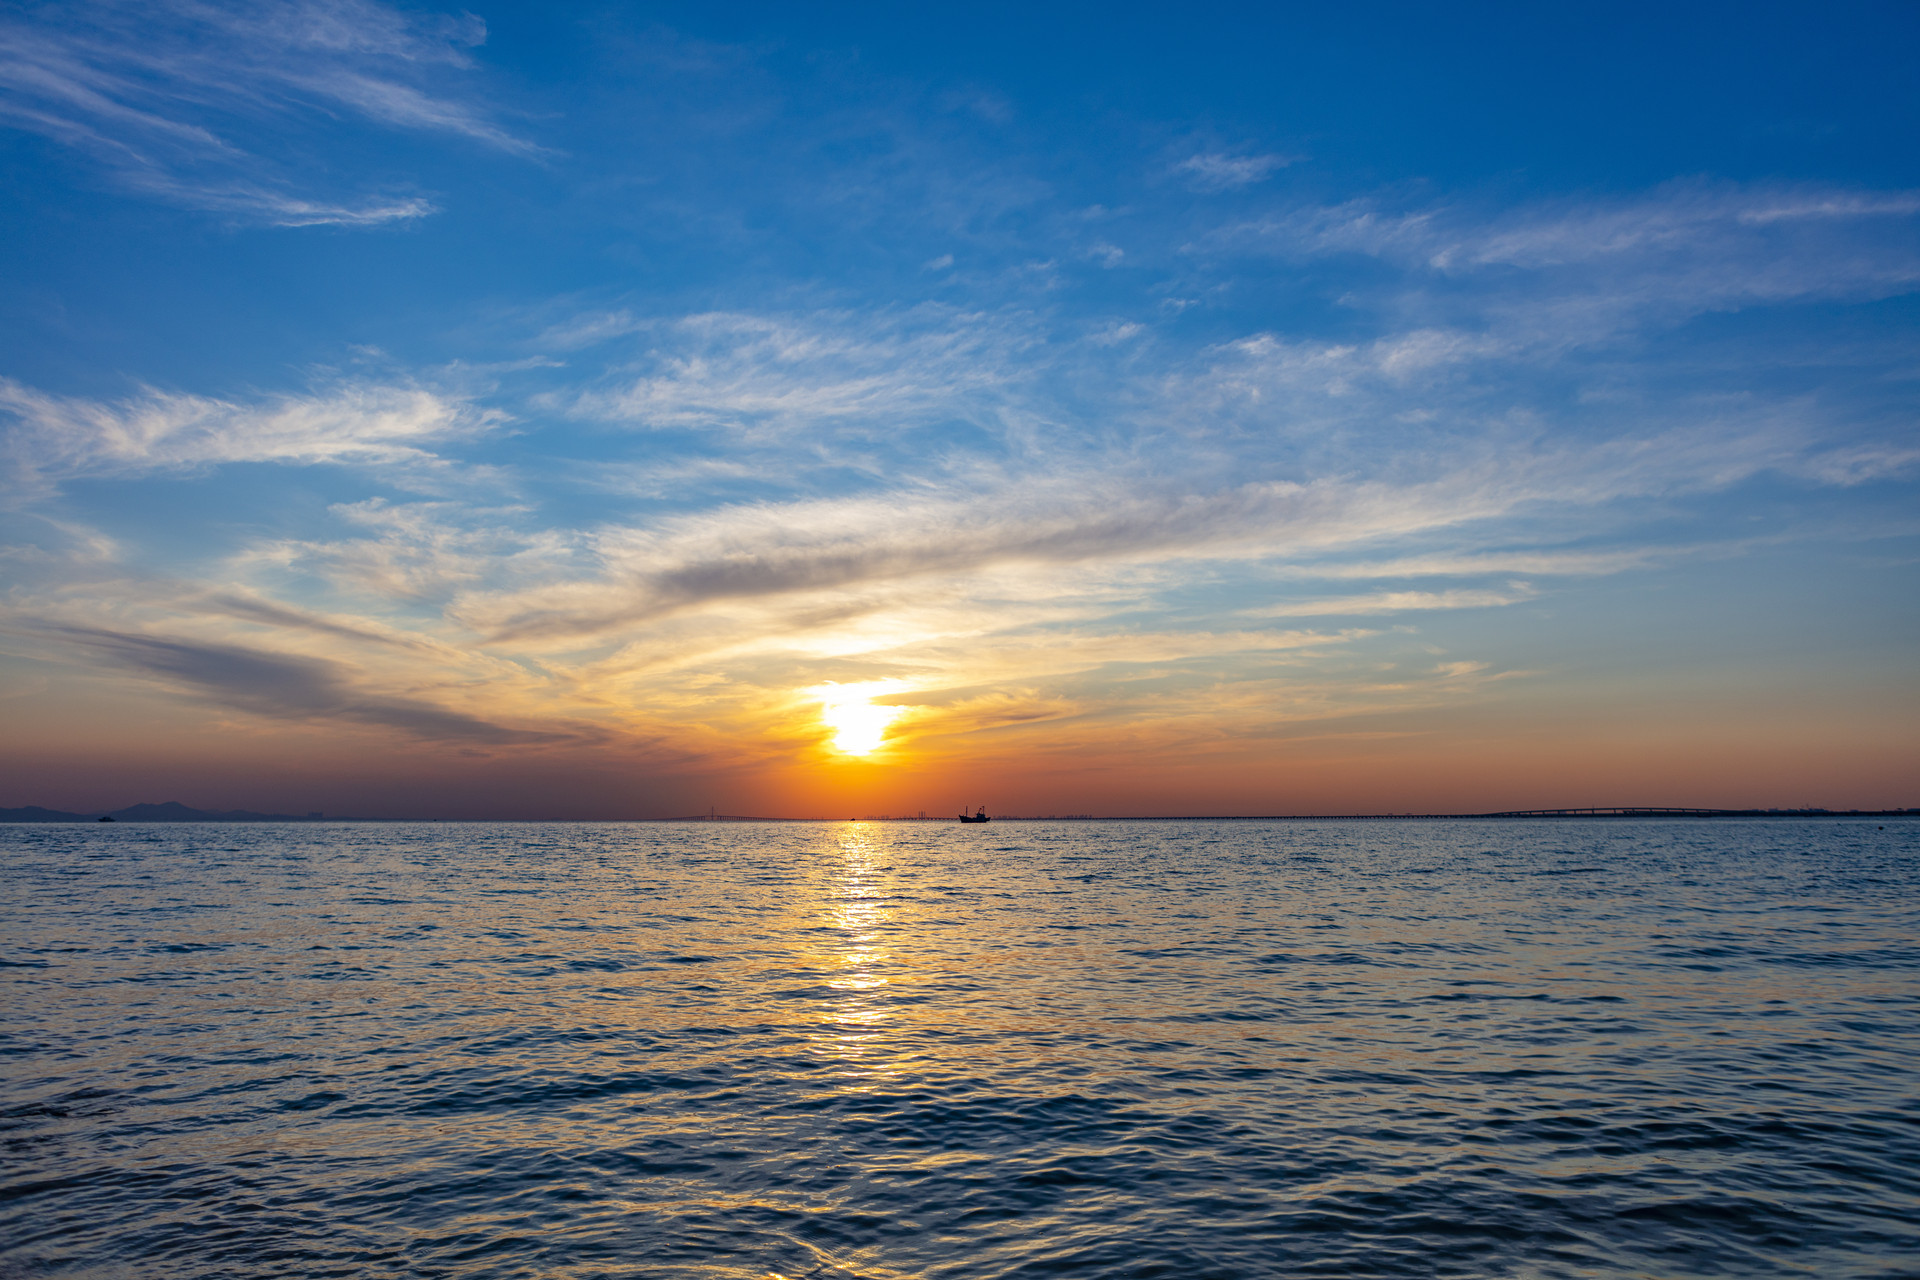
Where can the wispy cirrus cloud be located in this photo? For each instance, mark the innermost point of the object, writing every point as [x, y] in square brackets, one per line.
[420, 551]
[1226, 171]
[180, 100]
[1103, 437]
[51, 438]
[1579, 269]
[1682, 218]
[771, 550]
[1543, 561]
[286, 686]
[788, 549]
[1396, 602]
[757, 378]
[1157, 469]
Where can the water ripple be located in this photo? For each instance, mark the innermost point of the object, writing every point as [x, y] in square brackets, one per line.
[1589, 1049]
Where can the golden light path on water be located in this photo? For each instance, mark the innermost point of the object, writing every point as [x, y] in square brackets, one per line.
[721, 1051]
[858, 914]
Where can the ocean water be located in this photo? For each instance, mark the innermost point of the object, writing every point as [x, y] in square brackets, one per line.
[888, 1050]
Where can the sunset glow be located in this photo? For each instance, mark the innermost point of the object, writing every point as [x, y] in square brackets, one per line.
[783, 411]
[858, 725]
[954, 639]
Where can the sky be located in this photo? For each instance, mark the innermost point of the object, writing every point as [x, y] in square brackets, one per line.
[628, 410]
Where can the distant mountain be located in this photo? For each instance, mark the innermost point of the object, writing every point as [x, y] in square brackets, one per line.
[34, 813]
[174, 811]
[171, 811]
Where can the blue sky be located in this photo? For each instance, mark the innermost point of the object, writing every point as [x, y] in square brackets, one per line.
[1231, 408]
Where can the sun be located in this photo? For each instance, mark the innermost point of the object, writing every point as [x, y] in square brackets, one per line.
[858, 725]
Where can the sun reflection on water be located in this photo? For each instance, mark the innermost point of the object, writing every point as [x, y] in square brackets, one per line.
[858, 917]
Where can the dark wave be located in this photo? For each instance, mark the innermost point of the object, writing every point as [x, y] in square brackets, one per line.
[725, 1051]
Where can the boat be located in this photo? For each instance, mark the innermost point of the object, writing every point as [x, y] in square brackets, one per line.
[980, 816]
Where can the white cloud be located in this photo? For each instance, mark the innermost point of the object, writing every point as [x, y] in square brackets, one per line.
[420, 551]
[829, 547]
[179, 99]
[52, 438]
[1395, 602]
[258, 203]
[591, 329]
[1116, 333]
[767, 377]
[1860, 463]
[1681, 249]
[1543, 562]
[1221, 171]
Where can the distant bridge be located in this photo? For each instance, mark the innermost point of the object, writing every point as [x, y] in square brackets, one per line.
[1591, 811]
[1595, 811]
[1627, 811]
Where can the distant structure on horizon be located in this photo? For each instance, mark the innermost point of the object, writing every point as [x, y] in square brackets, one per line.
[174, 811]
[171, 811]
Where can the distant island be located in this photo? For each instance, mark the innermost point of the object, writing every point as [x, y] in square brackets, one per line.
[174, 811]
[171, 811]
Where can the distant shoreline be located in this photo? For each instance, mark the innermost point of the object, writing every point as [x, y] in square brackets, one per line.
[174, 812]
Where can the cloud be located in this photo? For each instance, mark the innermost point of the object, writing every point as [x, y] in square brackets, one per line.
[254, 201]
[419, 551]
[1395, 602]
[1546, 562]
[1000, 501]
[52, 438]
[1015, 655]
[757, 378]
[1585, 268]
[770, 550]
[766, 550]
[288, 687]
[1221, 171]
[184, 100]
[282, 617]
[1114, 334]
[591, 329]
[1853, 464]
[1052, 508]
[1683, 219]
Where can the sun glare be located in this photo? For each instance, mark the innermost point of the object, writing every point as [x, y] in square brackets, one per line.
[857, 724]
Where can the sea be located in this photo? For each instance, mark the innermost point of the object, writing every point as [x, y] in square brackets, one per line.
[767, 1051]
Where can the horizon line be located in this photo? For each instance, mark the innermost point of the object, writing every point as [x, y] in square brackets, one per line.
[189, 814]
